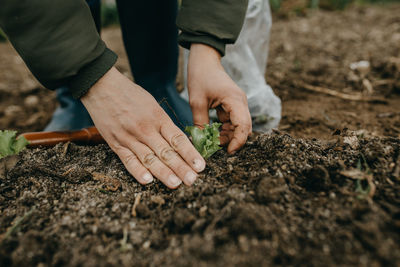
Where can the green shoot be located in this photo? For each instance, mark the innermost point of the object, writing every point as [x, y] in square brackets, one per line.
[361, 191]
[369, 190]
[10, 144]
[206, 140]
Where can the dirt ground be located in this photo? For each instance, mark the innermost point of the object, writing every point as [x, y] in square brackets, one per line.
[324, 189]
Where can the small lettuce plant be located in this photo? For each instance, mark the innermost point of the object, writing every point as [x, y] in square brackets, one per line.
[10, 144]
[205, 140]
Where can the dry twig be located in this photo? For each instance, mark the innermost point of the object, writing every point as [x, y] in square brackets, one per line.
[135, 204]
[396, 172]
[327, 91]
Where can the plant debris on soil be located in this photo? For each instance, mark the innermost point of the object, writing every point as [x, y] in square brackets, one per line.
[322, 190]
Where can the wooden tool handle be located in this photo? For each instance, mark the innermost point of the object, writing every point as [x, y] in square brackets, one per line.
[85, 136]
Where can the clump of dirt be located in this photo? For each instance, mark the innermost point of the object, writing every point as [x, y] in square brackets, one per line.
[280, 200]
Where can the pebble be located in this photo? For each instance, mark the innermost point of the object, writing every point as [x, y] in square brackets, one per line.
[158, 200]
[202, 211]
[146, 244]
[363, 67]
[31, 101]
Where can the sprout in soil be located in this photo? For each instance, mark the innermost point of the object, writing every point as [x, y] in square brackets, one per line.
[10, 144]
[205, 140]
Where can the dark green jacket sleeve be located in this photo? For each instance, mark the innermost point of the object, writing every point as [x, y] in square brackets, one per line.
[212, 22]
[58, 41]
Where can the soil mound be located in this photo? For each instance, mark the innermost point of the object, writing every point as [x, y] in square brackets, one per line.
[280, 200]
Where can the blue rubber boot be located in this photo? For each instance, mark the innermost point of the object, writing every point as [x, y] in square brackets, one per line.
[70, 115]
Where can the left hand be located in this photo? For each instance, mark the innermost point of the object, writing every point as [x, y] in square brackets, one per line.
[211, 87]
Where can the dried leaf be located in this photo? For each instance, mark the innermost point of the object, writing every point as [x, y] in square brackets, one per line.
[109, 183]
[157, 200]
[352, 141]
[355, 174]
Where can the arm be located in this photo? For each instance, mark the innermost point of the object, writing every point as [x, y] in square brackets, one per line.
[58, 42]
[207, 26]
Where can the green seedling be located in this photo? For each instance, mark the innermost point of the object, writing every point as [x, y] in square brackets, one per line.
[369, 190]
[363, 177]
[205, 140]
[362, 192]
[10, 144]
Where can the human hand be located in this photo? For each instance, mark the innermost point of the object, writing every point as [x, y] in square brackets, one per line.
[139, 131]
[209, 87]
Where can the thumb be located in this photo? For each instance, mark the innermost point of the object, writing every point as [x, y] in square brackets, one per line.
[200, 113]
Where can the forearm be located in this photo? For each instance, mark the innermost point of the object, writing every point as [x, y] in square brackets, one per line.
[58, 41]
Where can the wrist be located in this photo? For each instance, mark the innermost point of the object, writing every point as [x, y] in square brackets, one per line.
[89, 74]
[205, 52]
[101, 87]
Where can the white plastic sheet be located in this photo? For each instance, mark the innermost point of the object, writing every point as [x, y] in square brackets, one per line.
[246, 63]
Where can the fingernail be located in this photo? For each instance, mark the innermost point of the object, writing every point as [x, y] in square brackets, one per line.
[148, 178]
[174, 181]
[190, 177]
[199, 165]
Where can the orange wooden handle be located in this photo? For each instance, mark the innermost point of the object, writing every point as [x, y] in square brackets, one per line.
[85, 136]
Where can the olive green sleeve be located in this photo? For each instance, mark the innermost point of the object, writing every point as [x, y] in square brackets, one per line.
[58, 41]
[212, 22]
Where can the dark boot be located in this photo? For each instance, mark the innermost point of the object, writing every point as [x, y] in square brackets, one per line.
[150, 38]
[71, 114]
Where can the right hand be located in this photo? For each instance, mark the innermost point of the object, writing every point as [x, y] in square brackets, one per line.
[139, 131]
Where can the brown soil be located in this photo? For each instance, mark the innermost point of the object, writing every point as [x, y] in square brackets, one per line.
[318, 50]
[282, 200]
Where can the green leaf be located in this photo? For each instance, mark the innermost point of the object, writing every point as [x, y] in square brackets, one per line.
[206, 140]
[9, 144]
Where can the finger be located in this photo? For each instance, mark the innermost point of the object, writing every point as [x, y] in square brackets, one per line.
[181, 144]
[134, 166]
[171, 158]
[239, 139]
[200, 112]
[242, 121]
[155, 165]
[227, 127]
[226, 133]
[224, 139]
[222, 115]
